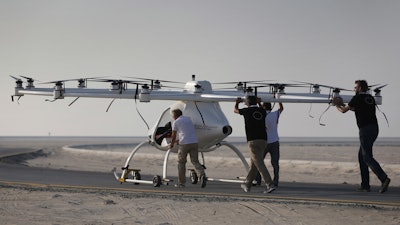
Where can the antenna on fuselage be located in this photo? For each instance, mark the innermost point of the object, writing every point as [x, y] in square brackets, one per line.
[193, 77]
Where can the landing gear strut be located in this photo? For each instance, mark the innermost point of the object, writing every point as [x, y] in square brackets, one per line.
[158, 180]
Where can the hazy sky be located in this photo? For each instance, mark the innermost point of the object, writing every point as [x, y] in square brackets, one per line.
[328, 42]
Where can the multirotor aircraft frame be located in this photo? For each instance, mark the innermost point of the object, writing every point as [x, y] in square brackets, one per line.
[197, 99]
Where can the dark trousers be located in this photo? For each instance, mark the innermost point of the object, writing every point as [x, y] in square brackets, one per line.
[273, 149]
[368, 135]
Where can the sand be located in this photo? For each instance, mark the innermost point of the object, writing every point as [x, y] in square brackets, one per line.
[315, 164]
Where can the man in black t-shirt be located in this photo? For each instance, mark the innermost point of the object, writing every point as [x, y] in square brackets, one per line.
[256, 135]
[363, 104]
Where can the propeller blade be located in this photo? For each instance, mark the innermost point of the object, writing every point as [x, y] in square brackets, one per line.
[118, 81]
[382, 86]
[243, 81]
[378, 89]
[155, 80]
[28, 78]
[15, 78]
[323, 85]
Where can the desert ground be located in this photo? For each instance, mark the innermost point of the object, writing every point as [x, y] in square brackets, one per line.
[299, 163]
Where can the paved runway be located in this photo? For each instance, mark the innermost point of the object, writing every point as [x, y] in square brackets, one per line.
[16, 175]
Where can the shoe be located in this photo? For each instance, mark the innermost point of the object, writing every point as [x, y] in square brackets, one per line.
[257, 181]
[275, 182]
[363, 189]
[203, 181]
[179, 185]
[245, 188]
[270, 189]
[385, 185]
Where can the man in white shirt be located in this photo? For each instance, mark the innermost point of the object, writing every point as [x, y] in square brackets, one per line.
[183, 127]
[271, 124]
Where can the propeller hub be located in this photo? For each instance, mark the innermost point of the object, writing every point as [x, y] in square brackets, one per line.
[198, 88]
[81, 83]
[145, 87]
[239, 86]
[19, 83]
[316, 89]
[249, 89]
[157, 84]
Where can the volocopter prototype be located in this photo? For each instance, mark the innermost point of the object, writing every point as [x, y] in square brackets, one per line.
[197, 99]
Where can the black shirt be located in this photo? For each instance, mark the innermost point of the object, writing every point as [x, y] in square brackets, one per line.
[254, 120]
[364, 108]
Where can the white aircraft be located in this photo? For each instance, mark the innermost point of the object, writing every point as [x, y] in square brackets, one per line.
[197, 99]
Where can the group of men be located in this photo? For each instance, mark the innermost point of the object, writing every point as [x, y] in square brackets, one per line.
[262, 137]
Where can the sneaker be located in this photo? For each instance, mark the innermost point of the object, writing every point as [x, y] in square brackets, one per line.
[203, 181]
[363, 189]
[275, 182]
[245, 188]
[270, 189]
[385, 185]
[257, 180]
[179, 185]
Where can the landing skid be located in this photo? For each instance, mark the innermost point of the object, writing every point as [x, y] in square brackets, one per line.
[133, 175]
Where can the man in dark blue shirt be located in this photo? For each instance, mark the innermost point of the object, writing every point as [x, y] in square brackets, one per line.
[363, 104]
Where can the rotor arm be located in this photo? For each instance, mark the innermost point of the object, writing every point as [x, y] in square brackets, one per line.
[231, 97]
[79, 92]
[36, 91]
[178, 95]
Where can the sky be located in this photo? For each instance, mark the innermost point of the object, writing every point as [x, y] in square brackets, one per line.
[317, 41]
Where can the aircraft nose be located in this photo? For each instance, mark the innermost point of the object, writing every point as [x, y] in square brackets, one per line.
[227, 130]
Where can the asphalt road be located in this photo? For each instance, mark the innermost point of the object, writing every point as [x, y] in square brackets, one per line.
[20, 175]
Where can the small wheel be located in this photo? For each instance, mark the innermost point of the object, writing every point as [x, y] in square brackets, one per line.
[193, 177]
[136, 176]
[157, 181]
